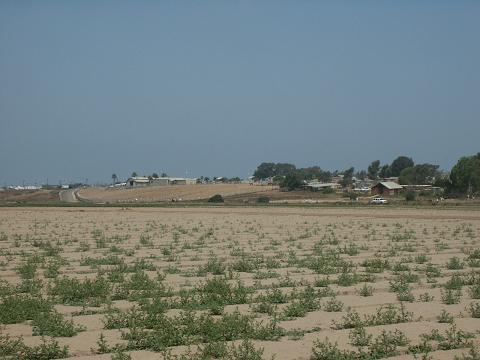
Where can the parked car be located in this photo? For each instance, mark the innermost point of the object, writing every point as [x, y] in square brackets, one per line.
[378, 201]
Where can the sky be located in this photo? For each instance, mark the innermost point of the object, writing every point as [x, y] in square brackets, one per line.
[214, 88]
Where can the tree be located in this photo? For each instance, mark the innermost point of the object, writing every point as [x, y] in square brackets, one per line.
[164, 175]
[373, 170]
[291, 181]
[465, 175]
[114, 178]
[347, 179]
[155, 175]
[315, 173]
[264, 170]
[384, 171]
[400, 163]
[361, 175]
[134, 174]
[284, 168]
[419, 174]
[270, 170]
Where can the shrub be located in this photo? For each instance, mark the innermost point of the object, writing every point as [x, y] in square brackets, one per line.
[213, 350]
[450, 296]
[376, 265]
[359, 337]
[14, 348]
[473, 354]
[10, 346]
[263, 200]
[120, 354]
[454, 263]
[52, 270]
[15, 309]
[214, 266]
[410, 196]
[405, 296]
[295, 309]
[456, 282]
[28, 269]
[445, 317]
[347, 279]
[216, 199]
[365, 290]
[333, 305]
[385, 345]
[390, 314]
[475, 291]
[421, 258]
[46, 350]
[426, 297]
[244, 351]
[327, 351]
[53, 324]
[455, 339]
[275, 296]
[474, 310]
[162, 331]
[71, 291]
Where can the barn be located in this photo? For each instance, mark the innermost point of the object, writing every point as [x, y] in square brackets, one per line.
[386, 188]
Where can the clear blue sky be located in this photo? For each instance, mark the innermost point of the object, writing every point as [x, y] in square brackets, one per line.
[91, 88]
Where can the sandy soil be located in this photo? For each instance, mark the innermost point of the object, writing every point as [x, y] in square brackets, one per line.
[167, 193]
[180, 242]
[30, 196]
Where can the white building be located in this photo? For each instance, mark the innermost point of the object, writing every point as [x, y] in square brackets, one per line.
[144, 181]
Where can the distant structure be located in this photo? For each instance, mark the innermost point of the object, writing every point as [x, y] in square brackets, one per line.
[386, 188]
[317, 186]
[137, 181]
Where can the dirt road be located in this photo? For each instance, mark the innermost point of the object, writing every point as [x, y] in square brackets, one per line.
[68, 195]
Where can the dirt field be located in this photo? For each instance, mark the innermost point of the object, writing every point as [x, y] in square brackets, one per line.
[155, 283]
[167, 193]
[30, 196]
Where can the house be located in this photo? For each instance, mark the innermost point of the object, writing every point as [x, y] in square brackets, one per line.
[182, 181]
[386, 188]
[160, 181]
[138, 181]
[178, 181]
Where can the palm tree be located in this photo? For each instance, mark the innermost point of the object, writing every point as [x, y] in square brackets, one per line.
[114, 178]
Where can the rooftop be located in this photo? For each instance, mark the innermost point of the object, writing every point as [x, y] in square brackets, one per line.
[390, 185]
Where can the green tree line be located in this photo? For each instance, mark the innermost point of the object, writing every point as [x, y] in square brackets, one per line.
[463, 179]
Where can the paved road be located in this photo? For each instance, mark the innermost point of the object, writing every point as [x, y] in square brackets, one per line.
[68, 195]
